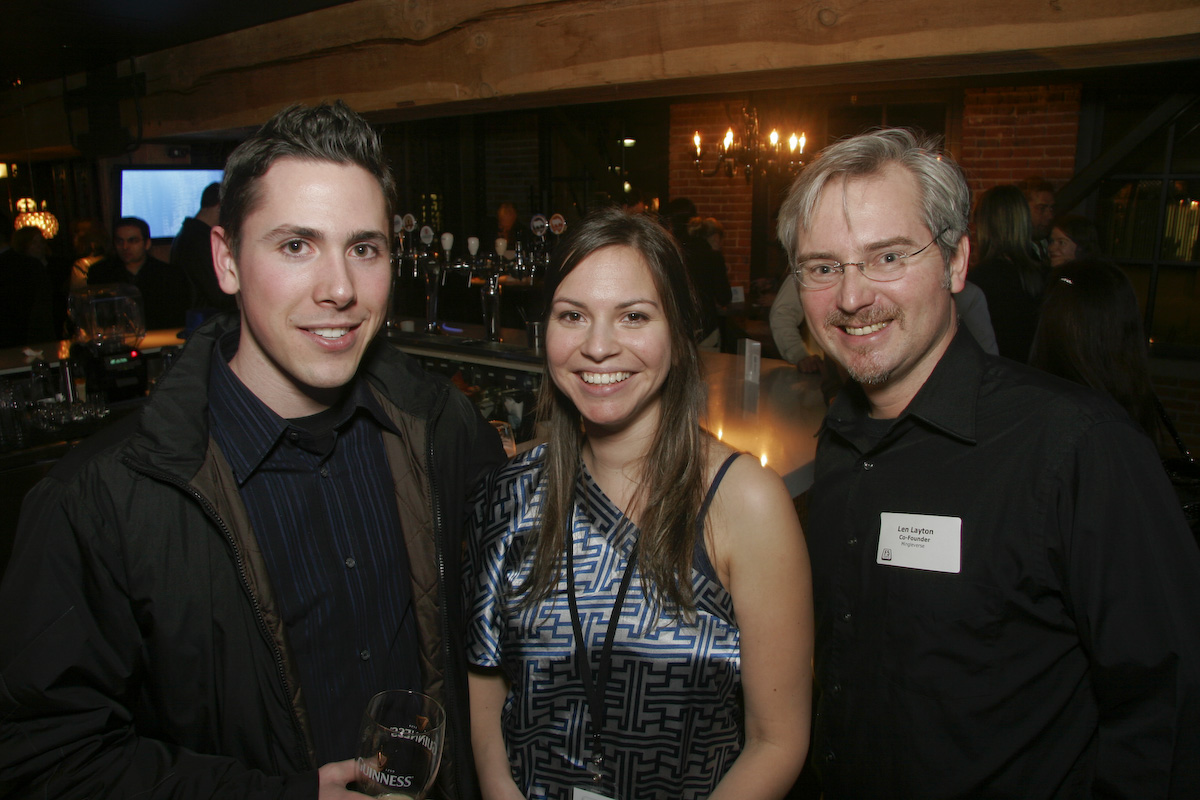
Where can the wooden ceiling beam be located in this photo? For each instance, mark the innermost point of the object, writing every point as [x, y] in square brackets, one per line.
[421, 58]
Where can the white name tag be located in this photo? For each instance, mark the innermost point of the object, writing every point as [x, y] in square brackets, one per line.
[584, 794]
[920, 541]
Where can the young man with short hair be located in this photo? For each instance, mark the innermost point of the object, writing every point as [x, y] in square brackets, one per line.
[201, 602]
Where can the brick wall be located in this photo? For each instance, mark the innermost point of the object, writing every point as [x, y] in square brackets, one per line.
[1011, 133]
[1008, 133]
[726, 199]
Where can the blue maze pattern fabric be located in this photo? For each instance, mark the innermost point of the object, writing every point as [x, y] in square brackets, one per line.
[673, 701]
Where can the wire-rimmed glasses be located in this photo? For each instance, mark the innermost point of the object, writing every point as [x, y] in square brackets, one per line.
[885, 265]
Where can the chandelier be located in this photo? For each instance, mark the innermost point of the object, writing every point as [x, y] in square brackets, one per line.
[30, 215]
[752, 154]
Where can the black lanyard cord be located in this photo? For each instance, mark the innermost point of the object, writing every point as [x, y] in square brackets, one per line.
[595, 689]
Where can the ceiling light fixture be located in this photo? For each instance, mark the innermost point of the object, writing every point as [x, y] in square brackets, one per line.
[752, 154]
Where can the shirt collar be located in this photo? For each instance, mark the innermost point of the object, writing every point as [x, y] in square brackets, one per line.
[246, 429]
[947, 401]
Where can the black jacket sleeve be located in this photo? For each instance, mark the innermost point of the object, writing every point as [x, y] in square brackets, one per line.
[71, 669]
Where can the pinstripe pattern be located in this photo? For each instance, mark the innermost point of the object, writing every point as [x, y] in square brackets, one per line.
[673, 701]
[330, 534]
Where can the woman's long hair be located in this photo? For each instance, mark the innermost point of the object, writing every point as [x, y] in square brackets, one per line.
[1090, 332]
[673, 470]
[1004, 232]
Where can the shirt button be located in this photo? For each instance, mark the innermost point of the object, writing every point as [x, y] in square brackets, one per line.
[846, 616]
[830, 757]
[364, 654]
[324, 472]
[868, 465]
[853, 540]
[351, 563]
[293, 435]
[836, 689]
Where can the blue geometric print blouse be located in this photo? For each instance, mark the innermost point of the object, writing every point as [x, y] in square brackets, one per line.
[673, 702]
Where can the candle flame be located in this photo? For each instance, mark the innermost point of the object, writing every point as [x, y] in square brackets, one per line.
[696, 140]
[793, 143]
[728, 143]
[802, 140]
[774, 138]
[764, 459]
[720, 434]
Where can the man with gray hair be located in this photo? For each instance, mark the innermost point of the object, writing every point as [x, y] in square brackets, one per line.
[1006, 591]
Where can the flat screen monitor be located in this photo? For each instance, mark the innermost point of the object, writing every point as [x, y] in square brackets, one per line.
[164, 196]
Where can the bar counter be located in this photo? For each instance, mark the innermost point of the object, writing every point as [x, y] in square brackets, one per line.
[15, 360]
[775, 419]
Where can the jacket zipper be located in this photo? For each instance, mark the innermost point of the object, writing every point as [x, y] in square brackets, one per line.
[301, 738]
[440, 546]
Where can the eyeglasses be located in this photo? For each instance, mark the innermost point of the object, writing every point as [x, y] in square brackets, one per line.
[886, 265]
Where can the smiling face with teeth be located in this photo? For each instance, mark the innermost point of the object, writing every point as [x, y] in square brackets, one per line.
[312, 276]
[608, 342]
[888, 335]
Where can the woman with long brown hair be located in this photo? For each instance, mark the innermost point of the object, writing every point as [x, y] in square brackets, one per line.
[1008, 272]
[639, 594]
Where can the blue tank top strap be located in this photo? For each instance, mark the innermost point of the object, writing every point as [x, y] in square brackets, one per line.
[702, 563]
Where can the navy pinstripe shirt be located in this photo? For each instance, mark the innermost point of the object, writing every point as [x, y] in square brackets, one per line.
[320, 497]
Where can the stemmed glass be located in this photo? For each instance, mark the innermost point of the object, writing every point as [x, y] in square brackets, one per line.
[400, 748]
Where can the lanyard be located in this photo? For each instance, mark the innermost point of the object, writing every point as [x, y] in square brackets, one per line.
[595, 690]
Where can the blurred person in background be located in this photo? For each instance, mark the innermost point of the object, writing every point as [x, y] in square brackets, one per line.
[90, 244]
[634, 202]
[706, 268]
[46, 292]
[1072, 238]
[1008, 271]
[192, 252]
[164, 287]
[1090, 332]
[18, 275]
[1039, 195]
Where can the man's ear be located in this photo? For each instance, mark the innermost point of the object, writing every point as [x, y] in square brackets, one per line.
[224, 262]
[958, 265]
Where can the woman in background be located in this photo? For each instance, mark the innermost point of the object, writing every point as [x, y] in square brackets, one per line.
[1008, 270]
[1090, 332]
[1073, 238]
[639, 594]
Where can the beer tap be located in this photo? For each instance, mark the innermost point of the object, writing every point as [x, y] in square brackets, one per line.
[490, 292]
[431, 269]
[408, 248]
[539, 259]
[452, 265]
[395, 258]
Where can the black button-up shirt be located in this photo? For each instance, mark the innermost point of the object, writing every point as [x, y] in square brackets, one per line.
[320, 498]
[1060, 660]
